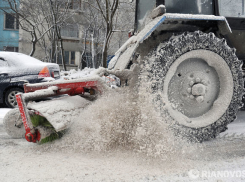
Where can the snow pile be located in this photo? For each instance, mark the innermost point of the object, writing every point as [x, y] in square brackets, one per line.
[73, 74]
[3, 112]
[119, 121]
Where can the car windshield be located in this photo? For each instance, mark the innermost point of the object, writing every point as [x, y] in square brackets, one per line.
[232, 8]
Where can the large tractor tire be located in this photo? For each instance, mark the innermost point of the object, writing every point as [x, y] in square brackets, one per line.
[13, 125]
[196, 80]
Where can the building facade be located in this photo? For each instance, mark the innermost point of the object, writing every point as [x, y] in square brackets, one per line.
[72, 33]
[9, 29]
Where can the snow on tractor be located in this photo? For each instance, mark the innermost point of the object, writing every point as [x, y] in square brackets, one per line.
[189, 53]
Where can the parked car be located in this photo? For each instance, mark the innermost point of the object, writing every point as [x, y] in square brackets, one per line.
[17, 69]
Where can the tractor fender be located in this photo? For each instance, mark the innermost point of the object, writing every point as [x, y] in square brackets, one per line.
[125, 54]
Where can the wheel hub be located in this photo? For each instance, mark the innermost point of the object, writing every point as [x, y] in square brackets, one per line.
[198, 88]
[194, 87]
[11, 98]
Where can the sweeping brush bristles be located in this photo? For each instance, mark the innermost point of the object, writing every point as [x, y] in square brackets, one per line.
[48, 133]
[52, 137]
[38, 120]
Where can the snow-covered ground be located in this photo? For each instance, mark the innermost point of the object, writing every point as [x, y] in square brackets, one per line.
[70, 159]
[3, 112]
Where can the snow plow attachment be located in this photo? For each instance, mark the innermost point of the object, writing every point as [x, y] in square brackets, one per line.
[48, 109]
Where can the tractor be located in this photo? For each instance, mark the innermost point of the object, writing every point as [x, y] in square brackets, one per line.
[190, 52]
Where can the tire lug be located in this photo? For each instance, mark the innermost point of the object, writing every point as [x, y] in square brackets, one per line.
[191, 83]
[200, 99]
[198, 80]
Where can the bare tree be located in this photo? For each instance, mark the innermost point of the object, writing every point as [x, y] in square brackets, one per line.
[111, 12]
[124, 23]
[93, 27]
[107, 9]
[43, 20]
[55, 21]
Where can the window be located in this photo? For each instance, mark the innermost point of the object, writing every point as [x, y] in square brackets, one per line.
[204, 7]
[144, 7]
[59, 58]
[234, 8]
[72, 59]
[11, 22]
[66, 56]
[70, 31]
[11, 49]
[69, 57]
[87, 59]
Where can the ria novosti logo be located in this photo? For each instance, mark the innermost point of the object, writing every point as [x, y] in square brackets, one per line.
[195, 174]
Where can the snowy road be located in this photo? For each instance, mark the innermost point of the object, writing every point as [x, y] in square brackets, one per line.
[235, 129]
[23, 161]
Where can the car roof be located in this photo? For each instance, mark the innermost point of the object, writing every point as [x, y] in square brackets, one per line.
[19, 59]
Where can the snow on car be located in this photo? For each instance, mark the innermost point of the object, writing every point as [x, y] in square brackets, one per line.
[18, 68]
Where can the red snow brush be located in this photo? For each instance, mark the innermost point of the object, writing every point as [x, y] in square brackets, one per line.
[47, 120]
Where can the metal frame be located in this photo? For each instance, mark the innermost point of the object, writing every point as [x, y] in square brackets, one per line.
[31, 134]
[243, 6]
[216, 7]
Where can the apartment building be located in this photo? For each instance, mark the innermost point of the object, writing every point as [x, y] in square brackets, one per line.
[9, 29]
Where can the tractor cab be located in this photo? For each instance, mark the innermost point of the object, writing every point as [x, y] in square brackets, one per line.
[144, 7]
[232, 10]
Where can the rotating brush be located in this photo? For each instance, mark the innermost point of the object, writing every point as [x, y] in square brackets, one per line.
[47, 131]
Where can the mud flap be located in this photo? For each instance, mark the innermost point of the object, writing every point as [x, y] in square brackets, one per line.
[60, 112]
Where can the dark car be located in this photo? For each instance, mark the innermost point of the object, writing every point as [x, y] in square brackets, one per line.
[17, 69]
